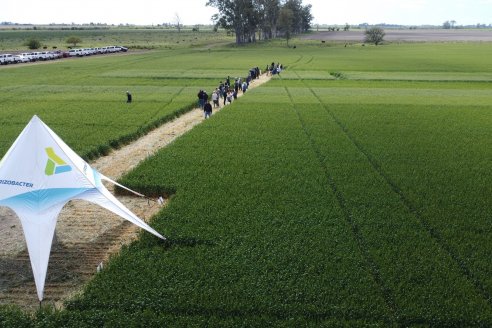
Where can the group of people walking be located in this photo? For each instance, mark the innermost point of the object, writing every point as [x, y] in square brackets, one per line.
[273, 68]
[227, 91]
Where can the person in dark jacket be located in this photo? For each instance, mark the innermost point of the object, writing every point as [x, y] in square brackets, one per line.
[201, 98]
[128, 97]
[207, 109]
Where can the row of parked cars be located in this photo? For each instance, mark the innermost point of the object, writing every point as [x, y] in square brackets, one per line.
[50, 55]
[95, 51]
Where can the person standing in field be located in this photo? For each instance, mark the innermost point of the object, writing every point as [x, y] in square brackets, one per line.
[207, 109]
[128, 97]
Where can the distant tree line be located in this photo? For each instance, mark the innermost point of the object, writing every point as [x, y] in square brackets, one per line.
[252, 20]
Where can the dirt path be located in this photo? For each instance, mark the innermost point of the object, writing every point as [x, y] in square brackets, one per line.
[86, 234]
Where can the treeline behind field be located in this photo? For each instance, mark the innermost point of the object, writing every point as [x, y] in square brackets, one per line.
[266, 18]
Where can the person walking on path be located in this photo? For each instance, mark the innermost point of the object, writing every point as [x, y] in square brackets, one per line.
[207, 109]
[224, 93]
[229, 97]
[215, 98]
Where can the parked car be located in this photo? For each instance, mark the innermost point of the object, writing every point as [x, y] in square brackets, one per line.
[123, 49]
[29, 56]
[75, 52]
[6, 59]
[56, 54]
[36, 55]
[21, 59]
[44, 55]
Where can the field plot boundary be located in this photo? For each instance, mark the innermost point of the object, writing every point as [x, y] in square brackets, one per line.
[371, 265]
[433, 233]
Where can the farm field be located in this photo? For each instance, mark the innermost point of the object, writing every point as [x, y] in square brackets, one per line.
[133, 38]
[352, 190]
[84, 99]
[408, 35]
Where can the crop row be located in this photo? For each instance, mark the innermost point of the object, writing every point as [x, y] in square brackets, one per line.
[419, 273]
[256, 229]
[427, 281]
[312, 203]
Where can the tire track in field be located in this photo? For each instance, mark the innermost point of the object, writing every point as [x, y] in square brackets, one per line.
[434, 233]
[309, 61]
[155, 114]
[86, 234]
[297, 62]
[371, 265]
[294, 64]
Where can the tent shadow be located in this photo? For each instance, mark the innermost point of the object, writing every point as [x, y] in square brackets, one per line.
[70, 267]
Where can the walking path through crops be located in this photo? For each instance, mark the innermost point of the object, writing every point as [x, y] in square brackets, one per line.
[86, 234]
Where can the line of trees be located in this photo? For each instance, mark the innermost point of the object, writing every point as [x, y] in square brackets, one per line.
[252, 20]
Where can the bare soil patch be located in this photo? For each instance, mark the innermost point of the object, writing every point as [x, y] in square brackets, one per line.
[407, 36]
[86, 234]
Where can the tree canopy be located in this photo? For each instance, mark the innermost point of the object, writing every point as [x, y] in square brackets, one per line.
[255, 19]
[374, 35]
[74, 40]
[33, 44]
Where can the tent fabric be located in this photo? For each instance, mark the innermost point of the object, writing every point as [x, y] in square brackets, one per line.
[39, 174]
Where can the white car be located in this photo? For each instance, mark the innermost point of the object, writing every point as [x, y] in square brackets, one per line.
[36, 55]
[75, 52]
[21, 59]
[28, 55]
[56, 54]
[44, 55]
[6, 59]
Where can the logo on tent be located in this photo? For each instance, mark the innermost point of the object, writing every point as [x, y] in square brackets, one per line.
[55, 164]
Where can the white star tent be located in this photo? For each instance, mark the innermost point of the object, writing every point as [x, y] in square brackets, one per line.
[38, 175]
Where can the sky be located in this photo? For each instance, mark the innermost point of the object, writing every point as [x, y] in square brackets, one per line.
[147, 12]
